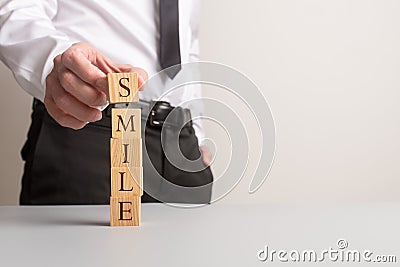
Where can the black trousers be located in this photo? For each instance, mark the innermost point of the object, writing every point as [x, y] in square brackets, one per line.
[65, 167]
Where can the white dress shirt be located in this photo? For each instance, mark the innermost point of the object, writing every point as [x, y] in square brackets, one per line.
[33, 32]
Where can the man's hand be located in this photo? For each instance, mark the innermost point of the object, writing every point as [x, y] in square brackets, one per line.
[77, 85]
[206, 155]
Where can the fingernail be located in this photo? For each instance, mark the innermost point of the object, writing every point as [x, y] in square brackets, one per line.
[141, 82]
[103, 107]
[103, 100]
[98, 116]
[100, 83]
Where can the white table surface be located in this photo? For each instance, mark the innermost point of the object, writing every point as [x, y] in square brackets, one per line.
[217, 235]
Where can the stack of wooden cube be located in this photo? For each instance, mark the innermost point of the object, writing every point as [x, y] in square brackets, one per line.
[126, 151]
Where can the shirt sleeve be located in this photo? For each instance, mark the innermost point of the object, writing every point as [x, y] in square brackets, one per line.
[29, 41]
[194, 56]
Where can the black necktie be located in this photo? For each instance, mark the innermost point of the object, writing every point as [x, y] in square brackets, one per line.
[170, 53]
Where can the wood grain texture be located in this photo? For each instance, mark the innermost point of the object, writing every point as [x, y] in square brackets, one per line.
[126, 123]
[126, 181]
[126, 152]
[125, 211]
[123, 87]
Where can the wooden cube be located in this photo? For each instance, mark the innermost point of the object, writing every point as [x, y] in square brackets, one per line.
[126, 181]
[126, 123]
[125, 211]
[123, 87]
[126, 152]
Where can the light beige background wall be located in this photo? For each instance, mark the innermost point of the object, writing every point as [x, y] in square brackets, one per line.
[15, 108]
[330, 71]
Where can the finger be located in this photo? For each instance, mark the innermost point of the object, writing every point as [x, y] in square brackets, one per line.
[142, 74]
[81, 90]
[206, 155]
[105, 65]
[60, 116]
[108, 66]
[77, 61]
[142, 77]
[206, 159]
[72, 106]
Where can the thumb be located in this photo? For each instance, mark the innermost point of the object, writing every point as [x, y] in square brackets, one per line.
[142, 74]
